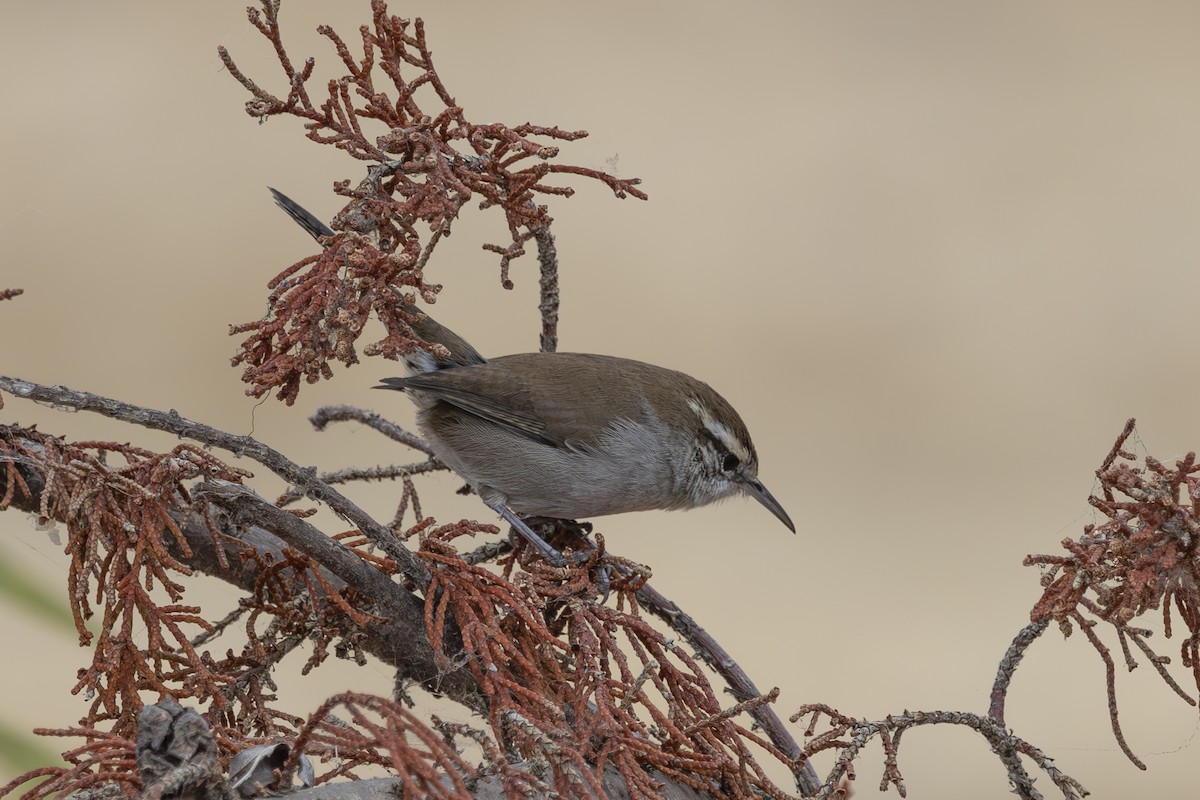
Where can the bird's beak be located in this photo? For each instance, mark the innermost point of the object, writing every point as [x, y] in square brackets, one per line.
[755, 489]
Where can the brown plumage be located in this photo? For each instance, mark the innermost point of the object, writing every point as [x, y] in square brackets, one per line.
[571, 435]
[576, 435]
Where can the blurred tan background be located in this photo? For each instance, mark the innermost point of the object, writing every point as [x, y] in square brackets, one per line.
[935, 253]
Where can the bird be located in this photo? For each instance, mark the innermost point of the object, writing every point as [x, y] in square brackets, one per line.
[572, 435]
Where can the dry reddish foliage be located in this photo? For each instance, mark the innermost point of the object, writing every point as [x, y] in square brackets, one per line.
[419, 181]
[570, 685]
[588, 686]
[1145, 557]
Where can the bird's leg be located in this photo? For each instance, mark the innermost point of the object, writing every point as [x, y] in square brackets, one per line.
[547, 552]
[578, 532]
[603, 582]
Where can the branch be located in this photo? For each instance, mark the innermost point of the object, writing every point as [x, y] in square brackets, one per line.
[546, 693]
[890, 729]
[1008, 666]
[548, 307]
[303, 478]
[397, 636]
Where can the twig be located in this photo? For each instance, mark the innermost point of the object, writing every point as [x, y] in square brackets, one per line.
[1003, 743]
[365, 474]
[739, 682]
[327, 414]
[1008, 665]
[1115, 453]
[1110, 683]
[548, 306]
[220, 625]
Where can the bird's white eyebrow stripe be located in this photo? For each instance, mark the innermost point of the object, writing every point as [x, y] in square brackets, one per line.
[718, 431]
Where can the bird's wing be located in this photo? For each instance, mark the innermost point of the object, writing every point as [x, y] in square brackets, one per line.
[496, 391]
[490, 394]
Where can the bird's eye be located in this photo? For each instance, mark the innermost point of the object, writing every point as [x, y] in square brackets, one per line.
[730, 462]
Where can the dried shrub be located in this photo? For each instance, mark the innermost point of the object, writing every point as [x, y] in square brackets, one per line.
[129, 555]
[572, 692]
[581, 687]
[575, 690]
[123, 544]
[374, 262]
[353, 730]
[1143, 558]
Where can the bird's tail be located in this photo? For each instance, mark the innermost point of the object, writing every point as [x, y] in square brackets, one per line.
[460, 351]
[301, 215]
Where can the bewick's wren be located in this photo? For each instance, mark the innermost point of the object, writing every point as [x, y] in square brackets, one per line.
[574, 435]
